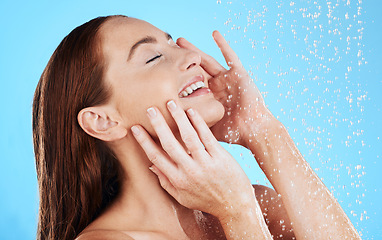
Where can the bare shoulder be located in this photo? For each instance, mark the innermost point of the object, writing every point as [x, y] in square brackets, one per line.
[265, 192]
[120, 235]
[104, 235]
[266, 196]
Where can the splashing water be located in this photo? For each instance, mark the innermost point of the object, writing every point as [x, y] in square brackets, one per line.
[306, 57]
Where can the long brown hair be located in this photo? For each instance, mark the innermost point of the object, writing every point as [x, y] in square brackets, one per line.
[78, 175]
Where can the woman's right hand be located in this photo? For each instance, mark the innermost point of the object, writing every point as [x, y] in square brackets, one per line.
[246, 114]
[209, 178]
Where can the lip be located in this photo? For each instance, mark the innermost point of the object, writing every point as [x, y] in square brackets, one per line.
[194, 79]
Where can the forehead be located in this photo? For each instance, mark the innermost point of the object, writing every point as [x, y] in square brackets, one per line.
[126, 31]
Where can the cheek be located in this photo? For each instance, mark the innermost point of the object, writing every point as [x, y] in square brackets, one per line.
[210, 110]
[136, 99]
[212, 113]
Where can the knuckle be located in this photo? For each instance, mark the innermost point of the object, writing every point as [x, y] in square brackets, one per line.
[188, 138]
[207, 141]
[154, 157]
[168, 146]
[193, 148]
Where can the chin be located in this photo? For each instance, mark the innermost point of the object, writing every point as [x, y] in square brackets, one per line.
[211, 113]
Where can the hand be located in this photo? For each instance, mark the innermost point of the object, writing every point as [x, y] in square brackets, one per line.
[209, 178]
[245, 111]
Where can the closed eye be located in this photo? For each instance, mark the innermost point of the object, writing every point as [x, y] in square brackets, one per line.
[154, 58]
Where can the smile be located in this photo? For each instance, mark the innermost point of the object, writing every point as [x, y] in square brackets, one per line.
[192, 88]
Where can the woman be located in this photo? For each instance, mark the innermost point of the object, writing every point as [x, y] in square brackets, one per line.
[126, 123]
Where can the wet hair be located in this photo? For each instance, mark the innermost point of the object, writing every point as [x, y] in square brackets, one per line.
[78, 175]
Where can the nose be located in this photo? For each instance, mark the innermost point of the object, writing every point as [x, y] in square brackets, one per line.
[190, 59]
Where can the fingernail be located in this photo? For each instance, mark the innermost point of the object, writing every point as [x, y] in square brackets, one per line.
[135, 130]
[152, 113]
[152, 170]
[171, 105]
[191, 112]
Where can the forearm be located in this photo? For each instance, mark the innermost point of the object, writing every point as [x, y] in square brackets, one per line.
[247, 223]
[313, 210]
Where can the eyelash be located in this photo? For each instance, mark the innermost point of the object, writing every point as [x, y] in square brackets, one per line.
[154, 58]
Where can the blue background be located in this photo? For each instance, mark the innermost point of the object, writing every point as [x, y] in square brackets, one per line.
[316, 62]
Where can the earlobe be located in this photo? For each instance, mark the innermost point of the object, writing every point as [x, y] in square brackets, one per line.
[96, 122]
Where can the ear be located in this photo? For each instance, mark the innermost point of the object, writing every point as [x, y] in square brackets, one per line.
[96, 122]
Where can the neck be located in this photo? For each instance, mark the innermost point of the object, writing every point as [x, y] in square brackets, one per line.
[141, 196]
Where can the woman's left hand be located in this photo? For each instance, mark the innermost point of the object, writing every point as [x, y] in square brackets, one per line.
[207, 178]
[245, 111]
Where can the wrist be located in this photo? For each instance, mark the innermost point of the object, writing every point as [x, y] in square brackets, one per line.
[242, 213]
[238, 208]
[248, 223]
[274, 149]
[261, 129]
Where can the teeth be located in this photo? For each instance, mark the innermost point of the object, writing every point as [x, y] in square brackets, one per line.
[191, 88]
[199, 84]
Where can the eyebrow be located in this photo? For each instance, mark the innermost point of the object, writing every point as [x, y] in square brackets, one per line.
[147, 39]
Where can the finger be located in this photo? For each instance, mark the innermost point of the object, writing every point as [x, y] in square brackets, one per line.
[167, 139]
[229, 55]
[208, 139]
[164, 181]
[153, 151]
[208, 63]
[187, 131]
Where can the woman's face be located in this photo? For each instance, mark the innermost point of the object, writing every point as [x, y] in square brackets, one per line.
[145, 68]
